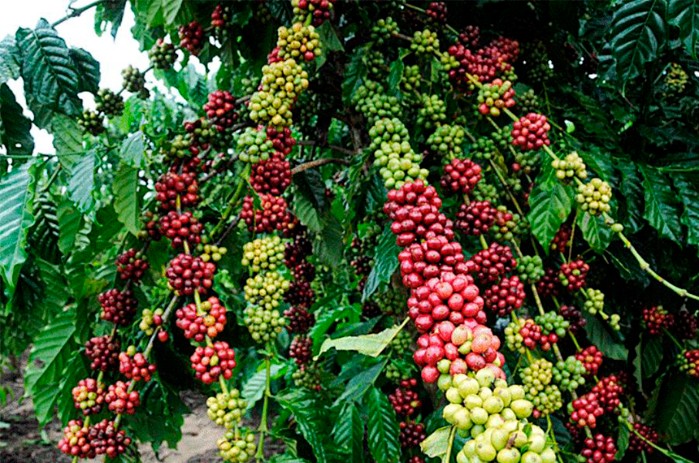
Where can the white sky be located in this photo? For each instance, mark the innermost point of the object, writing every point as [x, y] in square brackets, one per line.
[113, 55]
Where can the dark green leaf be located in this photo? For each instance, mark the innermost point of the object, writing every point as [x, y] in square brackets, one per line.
[56, 292]
[395, 75]
[329, 247]
[632, 192]
[88, 69]
[551, 203]
[307, 213]
[382, 428]
[69, 222]
[622, 442]
[689, 195]
[329, 39]
[349, 432]
[355, 73]
[606, 340]
[652, 356]
[82, 181]
[309, 417]
[9, 59]
[49, 73]
[361, 382]
[67, 140]
[597, 234]
[14, 126]
[385, 263]
[170, 10]
[685, 15]
[16, 191]
[678, 409]
[162, 420]
[254, 387]
[662, 208]
[52, 349]
[126, 200]
[638, 35]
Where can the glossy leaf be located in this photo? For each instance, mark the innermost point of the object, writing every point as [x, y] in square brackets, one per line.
[437, 444]
[82, 181]
[348, 432]
[677, 409]
[662, 206]
[14, 126]
[368, 344]
[126, 200]
[685, 15]
[309, 417]
[385, 263]
[688, 191]
[382, 428]
[551, 203]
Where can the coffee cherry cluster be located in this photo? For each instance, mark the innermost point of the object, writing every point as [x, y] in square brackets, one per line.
[301, 349]
[150, 321]
[220, 109]
[528, 102]
[474, 402]
[447, 141]
[273, 215]
[594, 196]
[220, 19]
[299, 319]
[226, 409]
[475, 218]
[575, 318]
[573, 274]
[393, 155]
[508, 441]
[162, 55]
[505, 296]
[279, 88]
[405, 400]
[307, 376]
[530, 269]
[424, 42]
[411, 434]
[103, 352]
[506, 225]
[272, 176]
[263, 253]
[489, 265]
[120, 400]
[676, 80]
[91, 122]
[561, 240]
[374, 103]
[689, 362]
[553, 327]
[522, 333]
[76, 440]
[585, 410]
[109, 103]
[253, 146]
[656, 318]
[107, 440]
[299, 41]
[531, 132]
[171, 185]
[569, 374]
[638, 444]
[187, 274]
[570, 167]
[608, 392]
[118, 307]
[263, 324]
[235, 448]
[495, 96]
[432, 113]
[550, 283]
[486, 63]
[181, 228]
[300, 293]
[461, 176]
[437, 12]
[198, 324]
[266, 289]
[591, 358]
[210, 362]
[536, 377]
[320, 10]
[88, 396]
[686, 325]
[131, 265]
[135, 81]
[134, 365]
[191, 37]
[599, 449]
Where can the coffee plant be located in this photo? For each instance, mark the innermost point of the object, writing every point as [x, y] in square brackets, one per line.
[369, 231]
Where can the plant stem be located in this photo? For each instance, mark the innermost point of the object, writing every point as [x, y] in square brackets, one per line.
[231, 204]
[265, 408]
[317, 163]
[75, 12]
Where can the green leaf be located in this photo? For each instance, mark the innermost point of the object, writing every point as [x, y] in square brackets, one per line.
[56, 292]
[368, 344]
[662, 211]
[361, 382]
[355, 73]
[437, 443]
[81, 182]
[14, 126]
[170, 10]
[395, 75]
[632, 192]
[9, 59]
[52, 349]
[88, 69]
[69, 222]
[16, 191]
[685, 15]
[606, 340]
[67, 140]
[689, 195]
[309, 416]
[133, 149]
[329, 247]
[622, 442]
[254, 387]
[385, 263]
[126, 200]
[597, 234]
[551, 203]
[678, 409]
[307, 213]
[638, 34]
[48, 71]
[382, 428]
[348, 432]
[162, 420]
[652, 357]
[328, 37]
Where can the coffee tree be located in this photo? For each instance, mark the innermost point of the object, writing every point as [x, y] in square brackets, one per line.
[370, 231]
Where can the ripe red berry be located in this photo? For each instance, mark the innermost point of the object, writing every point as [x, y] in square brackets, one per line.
[638, 444]
[120, 400]
[134, 366]
[131, 265]
[187, 274]
[181, 228]
[599, 449]
[475, 218]
[220, 109]
[608, 392]
[76, 441]
[192, 37]
[591, 358]
[272, 176]
[656, 318]
[301, 349]
[88, 396]
[107, 440]
[173, 185]
[210, 362]
[504, 297]
[103, 352]
[531, 132]
[461, 176]
[411, 434]
[209, 321]
[488, 265]
[405, 400]
[585, 410]
[274, 214]
[573, 274]
[118, 307]
[299, 320]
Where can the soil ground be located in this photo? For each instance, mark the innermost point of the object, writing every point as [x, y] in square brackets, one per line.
[22, 441]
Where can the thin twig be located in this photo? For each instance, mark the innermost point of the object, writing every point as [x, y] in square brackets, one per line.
[75, 12]
[318, 163]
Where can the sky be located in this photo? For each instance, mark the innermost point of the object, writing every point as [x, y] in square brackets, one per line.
[113, 55]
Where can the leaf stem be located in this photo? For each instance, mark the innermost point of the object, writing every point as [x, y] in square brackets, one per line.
[259, 456]
[450, 445]
[317, 163]
[75, 12]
